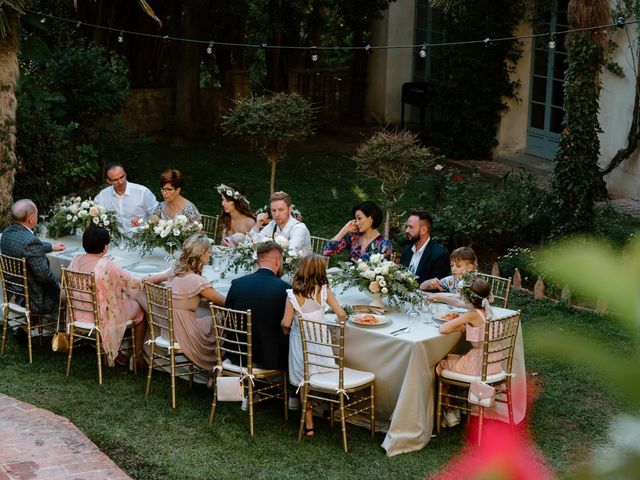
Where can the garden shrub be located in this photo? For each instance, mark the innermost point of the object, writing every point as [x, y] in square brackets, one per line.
[469, 210]
[616, 227]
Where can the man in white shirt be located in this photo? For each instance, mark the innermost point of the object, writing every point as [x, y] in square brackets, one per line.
[283, 224]
[132, 203]
[423, 256]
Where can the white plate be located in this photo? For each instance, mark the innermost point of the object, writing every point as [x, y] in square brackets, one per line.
[146, 268]
[333, 270]
[382, 321]
[440, 315]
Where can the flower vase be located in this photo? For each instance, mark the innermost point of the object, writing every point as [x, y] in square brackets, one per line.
[377, 300]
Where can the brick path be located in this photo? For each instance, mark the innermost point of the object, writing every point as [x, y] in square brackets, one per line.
[36, 444]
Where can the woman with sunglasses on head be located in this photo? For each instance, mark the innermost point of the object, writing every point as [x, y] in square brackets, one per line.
[174, 203]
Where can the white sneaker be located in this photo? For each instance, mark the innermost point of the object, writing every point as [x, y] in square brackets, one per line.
[451, 419]
[293, 403]
[245, 404]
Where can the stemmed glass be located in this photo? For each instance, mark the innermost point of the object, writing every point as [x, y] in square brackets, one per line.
[43, 227]
[427, 308]
[171, 244]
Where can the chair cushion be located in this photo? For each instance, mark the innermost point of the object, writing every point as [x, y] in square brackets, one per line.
[164, 343]
[352, 379]
[14, 307]
[93, 326]
[462, 377]
[232, 367]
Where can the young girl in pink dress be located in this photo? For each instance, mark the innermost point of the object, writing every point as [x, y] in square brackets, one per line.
[477, 295]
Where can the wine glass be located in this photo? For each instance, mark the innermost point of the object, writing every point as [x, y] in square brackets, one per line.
[170, 244]
[412, 316]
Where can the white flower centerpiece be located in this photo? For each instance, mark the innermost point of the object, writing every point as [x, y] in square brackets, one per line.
[245, 254]
[73, 214]
[166, 234]
[379, 278]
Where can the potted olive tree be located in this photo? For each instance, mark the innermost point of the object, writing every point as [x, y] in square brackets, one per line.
[271, 123]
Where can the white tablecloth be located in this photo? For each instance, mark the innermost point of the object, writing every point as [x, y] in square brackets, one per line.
[404, 365]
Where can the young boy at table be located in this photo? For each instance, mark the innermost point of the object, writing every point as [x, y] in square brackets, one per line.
[463, 261]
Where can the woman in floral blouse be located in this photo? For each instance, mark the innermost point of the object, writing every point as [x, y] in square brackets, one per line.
[361, 235]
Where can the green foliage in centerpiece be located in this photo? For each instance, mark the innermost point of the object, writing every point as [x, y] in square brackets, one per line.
[380, 276]
[245, 257]
[73, 214]
[167, 234]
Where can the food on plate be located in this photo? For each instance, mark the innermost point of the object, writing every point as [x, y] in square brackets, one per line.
[450, 316]
[366, 320]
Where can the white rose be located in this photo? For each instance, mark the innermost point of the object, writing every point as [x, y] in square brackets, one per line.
[145, 226]
[69, 217]
[78, 199]
[382, 282]
[73, 208]
[384, 270]
[176, 232]
[377, 270]
[93, 211]
[377, 257]
[101, 209]
[85, 205]
[369, 275]
[158, 230]
[362, 266]
[106, 223]
[385, 290]
[181, 219]
[288, 260]
[280, 240]
[162, 223]
[103, 217]
[163, 234]
[293, 253]
[96, 220]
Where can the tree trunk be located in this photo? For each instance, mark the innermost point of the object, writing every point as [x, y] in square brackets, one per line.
[272, 159]
[186, 117]
[9, 72]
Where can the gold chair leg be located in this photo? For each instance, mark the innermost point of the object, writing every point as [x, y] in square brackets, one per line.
[250, 389]
[286, 397]
[214, 401]
[480, 418]
[150, 372]
[71, 333]
[5, 313]
[439, 406]
[29, 338]
[373, 411]
[343, 423]
[173, 380]
[99, 353]
[305, 401]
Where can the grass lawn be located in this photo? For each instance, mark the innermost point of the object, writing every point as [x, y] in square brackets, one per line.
[150, 441]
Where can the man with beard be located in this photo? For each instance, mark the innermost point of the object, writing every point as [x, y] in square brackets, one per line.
[423, 256]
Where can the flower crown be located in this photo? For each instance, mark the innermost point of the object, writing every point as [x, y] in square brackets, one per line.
[464, 285]
[230, 192]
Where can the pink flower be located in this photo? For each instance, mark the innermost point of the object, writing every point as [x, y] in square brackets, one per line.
[374, 287]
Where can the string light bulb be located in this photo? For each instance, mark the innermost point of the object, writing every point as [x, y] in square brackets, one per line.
[314, 54]
[210, 48]
[43, 20]
[620, 22]
[368, 49]
[552, 41]
[121, 37]
[424, 50]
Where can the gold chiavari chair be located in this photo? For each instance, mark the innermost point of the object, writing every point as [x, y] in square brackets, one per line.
[497, 349]
[16, 307]
[210, 226]
[233, 337]
[317, 244]
[84, 318]
[500, 287]
[351, 390]
[165, 350]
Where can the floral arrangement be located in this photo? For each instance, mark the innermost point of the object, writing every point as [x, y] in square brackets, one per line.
[295, 212]
[167, 234]
[245, 254]
[73, 214]
[380, 276]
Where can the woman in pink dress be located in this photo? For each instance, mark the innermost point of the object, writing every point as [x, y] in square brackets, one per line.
[195, 334]
[117, 292]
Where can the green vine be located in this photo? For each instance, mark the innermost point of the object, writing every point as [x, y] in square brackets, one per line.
[472, 83]
[577, 182]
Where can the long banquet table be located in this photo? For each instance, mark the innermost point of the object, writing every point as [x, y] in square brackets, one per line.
[403, 364]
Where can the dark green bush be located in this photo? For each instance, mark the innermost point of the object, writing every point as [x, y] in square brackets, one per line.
[470, 210]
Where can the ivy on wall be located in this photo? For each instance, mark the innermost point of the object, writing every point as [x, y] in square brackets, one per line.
[472, 83]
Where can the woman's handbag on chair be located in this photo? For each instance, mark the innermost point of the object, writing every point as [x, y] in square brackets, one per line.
[481, 394]
[60, 340]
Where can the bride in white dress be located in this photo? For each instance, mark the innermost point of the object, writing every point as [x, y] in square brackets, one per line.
[307, 299]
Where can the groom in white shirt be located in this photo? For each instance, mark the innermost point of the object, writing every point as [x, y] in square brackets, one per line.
[283, 224]
[132, 203]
